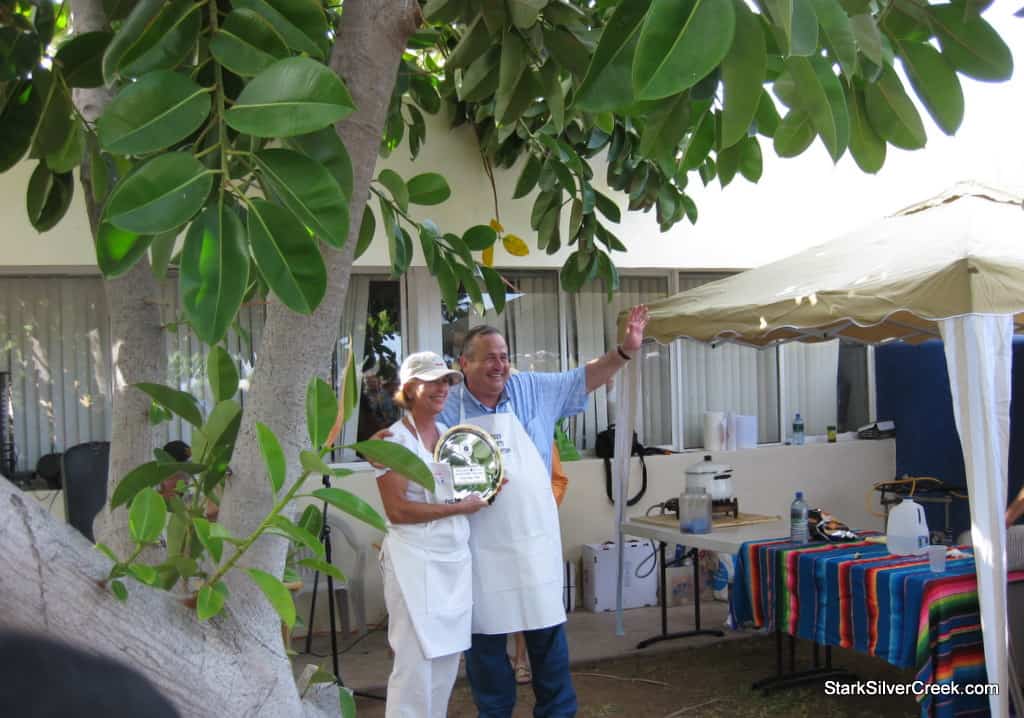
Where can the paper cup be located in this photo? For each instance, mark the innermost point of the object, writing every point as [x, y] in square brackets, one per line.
[937, 559]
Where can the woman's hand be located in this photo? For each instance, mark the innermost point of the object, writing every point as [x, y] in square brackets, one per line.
[471, 504]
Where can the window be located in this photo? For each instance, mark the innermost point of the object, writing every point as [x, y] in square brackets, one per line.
[373, 319]
[593, 331]
[530, 322]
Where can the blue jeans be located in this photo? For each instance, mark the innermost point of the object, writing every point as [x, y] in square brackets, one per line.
[493, 682]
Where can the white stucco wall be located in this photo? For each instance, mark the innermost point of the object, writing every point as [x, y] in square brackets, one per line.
[835, 477]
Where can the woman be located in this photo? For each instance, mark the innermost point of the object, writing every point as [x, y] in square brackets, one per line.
[425, 559]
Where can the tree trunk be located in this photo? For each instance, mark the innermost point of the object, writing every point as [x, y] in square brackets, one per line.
[235, 664]
[135, 332]
[294, 349]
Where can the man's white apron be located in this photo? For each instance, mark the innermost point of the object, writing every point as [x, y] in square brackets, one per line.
[516, 543]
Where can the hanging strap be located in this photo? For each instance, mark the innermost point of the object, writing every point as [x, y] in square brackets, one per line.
[608, 481]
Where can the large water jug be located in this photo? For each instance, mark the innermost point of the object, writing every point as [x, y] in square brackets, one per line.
[907, 529]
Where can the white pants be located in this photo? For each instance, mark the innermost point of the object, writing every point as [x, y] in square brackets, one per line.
[419, 687]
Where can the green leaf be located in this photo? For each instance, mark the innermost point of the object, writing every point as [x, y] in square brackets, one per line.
[143, 573]
[524, 13]
[279, 596]
[210, 541]
[294, 96]
[142, 15]
[346, 697]
[299, 535]
[868, 37]
[349, 386]
[160, 196]
[301, 23]
[428, 188]
[794, 134]
[608, 208]
[367, 228]
[528, 177]
[313, 463]
[608, 84]
[307, 188]
[222, 374]
[49, 196]
[70, 155]
[751, 161]
[892, 113]
[867, 148]
[166, 41]
[468, 279]
[353, 505]
[179, 403]
[214, 271]
[55, 123]
[287, 256]
[273, 456]
[743, 73]
[798, 25]
[396, 186]
[321, 410]
[479, 237]
[162, 108]
[677, 48]
[767, 117]
[835, 24]
[970, 44]
[119, 591]
[513, 64]
[480, 79]
[106, 551]
[700, 143]
[935, 83]
[117, 251]
[821, 97]
[17, 126]
[147, 516]
[567, 50]
[326, 147]
[210, 601]
[312, 519]
[323, 567]
[398, 459]
[665, 128]
[141, 477]
[448, 285]
[81, 58]
[495, 288]
[214, 442]
[247, 43]
[474, 42]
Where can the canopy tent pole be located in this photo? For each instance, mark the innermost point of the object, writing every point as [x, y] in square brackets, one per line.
[979, 360]
[626, 392]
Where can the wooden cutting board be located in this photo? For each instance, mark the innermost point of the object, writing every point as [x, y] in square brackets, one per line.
[719, 522]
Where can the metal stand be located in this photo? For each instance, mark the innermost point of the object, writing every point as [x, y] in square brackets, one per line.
[325, 539]
[693, 554]
[792, 678]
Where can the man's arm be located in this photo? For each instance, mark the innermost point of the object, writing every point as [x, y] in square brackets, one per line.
[601, 370]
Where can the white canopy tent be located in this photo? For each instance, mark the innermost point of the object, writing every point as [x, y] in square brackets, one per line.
[951, 267]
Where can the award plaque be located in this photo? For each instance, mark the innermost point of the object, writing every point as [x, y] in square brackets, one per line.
[474, 458]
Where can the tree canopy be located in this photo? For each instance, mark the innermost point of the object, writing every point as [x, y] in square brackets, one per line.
[219, 127]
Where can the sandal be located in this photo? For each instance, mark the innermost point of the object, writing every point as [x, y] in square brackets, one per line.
[523, 674]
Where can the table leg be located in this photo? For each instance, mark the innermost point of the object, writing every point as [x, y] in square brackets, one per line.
[793, 677]
[694, 554]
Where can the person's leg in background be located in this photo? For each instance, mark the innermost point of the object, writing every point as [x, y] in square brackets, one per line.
[490, 676]
[521, 661]
[552, 683]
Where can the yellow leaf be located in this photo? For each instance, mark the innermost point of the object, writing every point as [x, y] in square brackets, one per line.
[488, 256]
[496, 226]
[515, 246]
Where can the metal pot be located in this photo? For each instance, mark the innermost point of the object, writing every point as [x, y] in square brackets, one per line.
[716, 479]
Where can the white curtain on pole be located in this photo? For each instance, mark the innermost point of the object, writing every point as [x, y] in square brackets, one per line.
[626, 391]
[979, 357]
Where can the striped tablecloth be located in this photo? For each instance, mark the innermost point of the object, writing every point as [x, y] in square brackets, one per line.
[857, 595]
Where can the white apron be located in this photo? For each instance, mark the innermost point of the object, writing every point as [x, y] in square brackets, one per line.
[434, 570]
[516, 542]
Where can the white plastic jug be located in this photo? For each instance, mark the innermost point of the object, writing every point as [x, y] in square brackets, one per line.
[907, 529]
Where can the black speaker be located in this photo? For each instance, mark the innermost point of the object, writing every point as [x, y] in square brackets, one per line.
[84, 472]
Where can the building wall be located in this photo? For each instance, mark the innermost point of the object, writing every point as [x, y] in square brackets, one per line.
[835, 477]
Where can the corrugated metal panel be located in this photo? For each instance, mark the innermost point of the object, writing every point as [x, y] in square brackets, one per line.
[55, 339]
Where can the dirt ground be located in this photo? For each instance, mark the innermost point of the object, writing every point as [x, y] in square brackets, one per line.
[710, 681]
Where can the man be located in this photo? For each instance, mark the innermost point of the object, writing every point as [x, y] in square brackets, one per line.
[516, 546]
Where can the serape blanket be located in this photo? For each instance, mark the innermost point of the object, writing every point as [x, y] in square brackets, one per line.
[857, 595]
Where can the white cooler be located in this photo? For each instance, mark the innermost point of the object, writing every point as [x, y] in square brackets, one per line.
[600, 572]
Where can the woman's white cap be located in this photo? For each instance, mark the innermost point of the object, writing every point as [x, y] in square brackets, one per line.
[426, 366]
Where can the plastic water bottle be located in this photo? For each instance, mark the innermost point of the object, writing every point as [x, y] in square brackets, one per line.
[798, 519]
[798, 430]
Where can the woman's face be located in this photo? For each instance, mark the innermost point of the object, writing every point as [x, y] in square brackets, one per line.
[429, 395]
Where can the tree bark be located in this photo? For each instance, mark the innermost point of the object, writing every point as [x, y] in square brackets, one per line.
[368, 47]
[135, 331]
